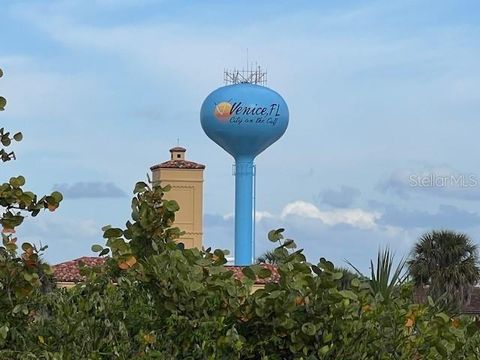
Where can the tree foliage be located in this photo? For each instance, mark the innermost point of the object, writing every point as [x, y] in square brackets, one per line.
[345, 283]
[446, 262]
[22, 273]
[175, 303]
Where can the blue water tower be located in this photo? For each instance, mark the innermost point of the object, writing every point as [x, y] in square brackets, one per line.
[244, 118]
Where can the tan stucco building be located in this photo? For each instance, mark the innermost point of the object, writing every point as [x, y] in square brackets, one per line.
[186, 181]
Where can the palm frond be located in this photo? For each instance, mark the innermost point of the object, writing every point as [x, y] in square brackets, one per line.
[384, 279]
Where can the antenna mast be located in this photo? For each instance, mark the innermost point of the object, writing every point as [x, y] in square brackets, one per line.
[250, 76]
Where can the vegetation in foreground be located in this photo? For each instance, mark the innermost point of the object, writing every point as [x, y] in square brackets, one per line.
[153, 299]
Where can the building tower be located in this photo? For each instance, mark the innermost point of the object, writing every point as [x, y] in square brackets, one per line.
[186, 181]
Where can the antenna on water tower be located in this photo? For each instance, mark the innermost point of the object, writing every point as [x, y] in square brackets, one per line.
[255, 76]
[244, 118]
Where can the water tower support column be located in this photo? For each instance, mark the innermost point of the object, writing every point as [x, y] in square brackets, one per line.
[244, 216]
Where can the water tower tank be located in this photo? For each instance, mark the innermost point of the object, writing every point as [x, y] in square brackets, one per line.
[244, 119]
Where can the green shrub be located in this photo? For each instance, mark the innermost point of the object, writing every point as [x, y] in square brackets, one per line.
[168, 302]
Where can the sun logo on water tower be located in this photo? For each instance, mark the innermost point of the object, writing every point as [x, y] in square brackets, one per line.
[223, 111]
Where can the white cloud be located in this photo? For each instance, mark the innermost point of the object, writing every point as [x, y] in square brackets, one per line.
[259, 216]
[355, 217]
[164, 48]
[228, 216]
[36, 93]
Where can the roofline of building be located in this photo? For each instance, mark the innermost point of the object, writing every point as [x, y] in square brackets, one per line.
[164, 166]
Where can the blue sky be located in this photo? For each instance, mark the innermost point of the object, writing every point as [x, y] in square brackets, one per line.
[382, 94]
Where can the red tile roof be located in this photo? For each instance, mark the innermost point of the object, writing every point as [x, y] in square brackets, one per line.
[178, 164]
[69, 271]
[275, 277]
[178, 149]
[472, 308]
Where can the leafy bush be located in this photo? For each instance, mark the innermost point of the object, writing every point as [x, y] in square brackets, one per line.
[175, 303]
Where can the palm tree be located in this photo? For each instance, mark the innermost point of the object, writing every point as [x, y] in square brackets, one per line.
[268, 257]
[446, 262]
